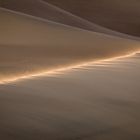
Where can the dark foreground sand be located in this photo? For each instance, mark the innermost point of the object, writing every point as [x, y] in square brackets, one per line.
[90, 103]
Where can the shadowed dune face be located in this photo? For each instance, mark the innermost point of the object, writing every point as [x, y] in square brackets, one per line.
[45, 10]
[28, 45]
[119, 15]
[39, 9]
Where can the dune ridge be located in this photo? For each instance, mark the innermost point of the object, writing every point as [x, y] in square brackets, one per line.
[52, 72]
[34, 46]
[122, 16]
[45, 10]
[61, 82]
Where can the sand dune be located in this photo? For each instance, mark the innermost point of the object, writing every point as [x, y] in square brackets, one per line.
[97, 101]
[42, 9]
[119, 15]
[28, 45]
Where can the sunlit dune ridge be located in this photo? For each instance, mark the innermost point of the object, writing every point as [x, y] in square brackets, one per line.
[30, 47]
[64, 69]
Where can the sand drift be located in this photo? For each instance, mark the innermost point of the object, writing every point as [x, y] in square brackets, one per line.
[29, 45]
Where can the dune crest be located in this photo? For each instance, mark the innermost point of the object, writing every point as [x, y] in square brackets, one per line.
[44, 10]
[33, 46]
[119, 15]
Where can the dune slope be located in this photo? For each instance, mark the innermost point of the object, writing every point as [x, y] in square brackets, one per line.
[45, 10]
[28, 45]
[119, 15]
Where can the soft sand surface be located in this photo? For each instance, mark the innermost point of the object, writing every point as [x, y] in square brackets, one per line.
[29, 46]
[93, 103]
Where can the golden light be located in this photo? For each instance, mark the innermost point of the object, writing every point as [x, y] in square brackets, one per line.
[64, 69]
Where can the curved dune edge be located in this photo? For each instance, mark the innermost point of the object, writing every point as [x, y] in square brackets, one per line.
[31, 48]
[15, 79]
[118, 15]
[88, 25]
[53, 13]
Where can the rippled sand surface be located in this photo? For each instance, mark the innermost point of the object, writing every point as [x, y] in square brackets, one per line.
[99, 102]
